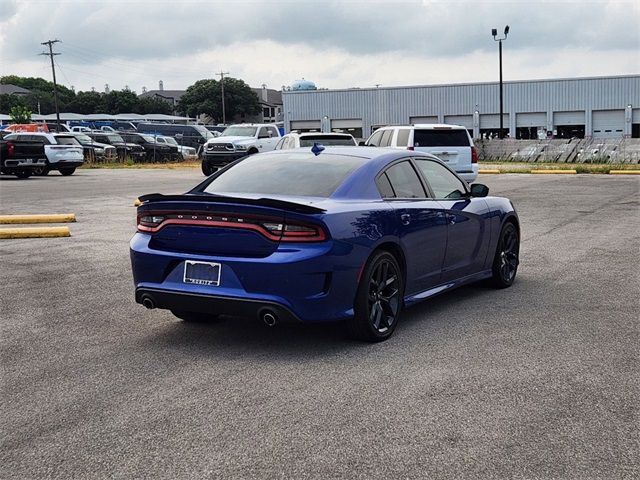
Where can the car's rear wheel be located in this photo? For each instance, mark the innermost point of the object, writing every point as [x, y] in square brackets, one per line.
[23, 174]
[194, 317]
[208, 169]
[67, 171]
[41, 171]
[506, 260]
[378, 300]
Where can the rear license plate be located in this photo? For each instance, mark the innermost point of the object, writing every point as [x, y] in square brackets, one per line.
[202, 273]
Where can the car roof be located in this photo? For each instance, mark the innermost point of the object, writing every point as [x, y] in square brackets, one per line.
[427, 126]
[318, 134]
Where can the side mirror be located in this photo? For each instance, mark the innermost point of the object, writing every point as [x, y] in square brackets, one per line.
[479, 190]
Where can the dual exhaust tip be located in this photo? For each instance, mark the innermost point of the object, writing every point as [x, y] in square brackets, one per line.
[269, 317]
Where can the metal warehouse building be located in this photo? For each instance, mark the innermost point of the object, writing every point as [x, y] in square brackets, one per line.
[599, 107]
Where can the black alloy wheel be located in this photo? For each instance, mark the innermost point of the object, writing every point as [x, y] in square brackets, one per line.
[506, 260]
[379, 299]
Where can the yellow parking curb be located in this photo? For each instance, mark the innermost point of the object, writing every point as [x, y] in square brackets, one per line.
[553, 172]
[137, 202]
[34, 232]
[488, 171]
[53, 218]
[624, 172]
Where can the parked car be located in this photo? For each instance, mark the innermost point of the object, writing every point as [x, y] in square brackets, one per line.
[64, 153]
[79, 128]
[298, 140]
[124, 149]
[450, 143]
[185, 152]
[336, 233]
[54, 127]
[238, 141]
[155, 152]
[188, 135]
[102, 151]
[21, 158]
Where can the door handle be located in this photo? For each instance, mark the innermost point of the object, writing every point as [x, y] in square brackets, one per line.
[405, 218]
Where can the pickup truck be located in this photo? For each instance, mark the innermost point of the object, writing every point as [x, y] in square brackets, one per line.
[238, 141]
[21, 158]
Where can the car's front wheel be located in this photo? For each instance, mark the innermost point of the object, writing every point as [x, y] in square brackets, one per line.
[194, 317]
[208, 169]
[41, 171]
[507, 257]
[378, 300]
[67, 171]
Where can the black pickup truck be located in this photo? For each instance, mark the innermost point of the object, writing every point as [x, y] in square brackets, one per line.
[21, 158]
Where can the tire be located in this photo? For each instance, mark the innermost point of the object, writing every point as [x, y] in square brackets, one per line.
[194, 317]
[67, 171]
[41, 171]
[23, 174]
[378, 300]
[208, 169]
[507, 257]
[252, 151]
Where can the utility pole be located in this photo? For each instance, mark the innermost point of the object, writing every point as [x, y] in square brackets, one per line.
[222, 74]
[494, 33]
[51, 54]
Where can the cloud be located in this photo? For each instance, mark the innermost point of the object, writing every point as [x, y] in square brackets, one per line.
[336, 43]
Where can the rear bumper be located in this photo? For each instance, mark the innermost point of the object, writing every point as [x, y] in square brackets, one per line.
[214, 304]
[65, 164]
[24, 163]
[469, 176]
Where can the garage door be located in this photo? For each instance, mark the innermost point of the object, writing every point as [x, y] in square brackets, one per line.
[493, 120]
[568, 118]
[464, 120]
[531, 119]
[636, 115]
[349, 123]
[429, 119]
[608, 123]
[305, 125]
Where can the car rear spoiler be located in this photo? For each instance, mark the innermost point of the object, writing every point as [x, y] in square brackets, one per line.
[262, 202]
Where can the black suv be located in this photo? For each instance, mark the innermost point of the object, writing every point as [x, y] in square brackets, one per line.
[133, 150]
[156, 152]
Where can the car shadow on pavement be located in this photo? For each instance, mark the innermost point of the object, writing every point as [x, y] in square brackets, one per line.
[235, 336]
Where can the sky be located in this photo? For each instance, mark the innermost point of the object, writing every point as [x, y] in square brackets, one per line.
[336, 44]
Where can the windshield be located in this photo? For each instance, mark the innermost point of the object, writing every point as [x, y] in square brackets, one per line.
[239, 132]
[66, 140]
[115, 138]
[295, 173]
[170, 140]
[82, 138]
[326, 140]
[203, 131]
[148, 138]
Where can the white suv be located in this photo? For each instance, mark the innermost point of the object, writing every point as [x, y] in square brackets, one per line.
[298, 140]
[450, 143]
[64, 152]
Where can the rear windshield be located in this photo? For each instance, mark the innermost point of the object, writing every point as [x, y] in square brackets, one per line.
[441, 138]
[295, 173]
[328, 140]
[67, 140]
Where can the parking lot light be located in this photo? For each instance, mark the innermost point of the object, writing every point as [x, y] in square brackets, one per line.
[494, 34]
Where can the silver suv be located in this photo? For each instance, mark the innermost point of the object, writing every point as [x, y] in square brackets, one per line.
[450, 143]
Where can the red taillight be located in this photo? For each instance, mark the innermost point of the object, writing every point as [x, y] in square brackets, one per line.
[273, 229]
[410, 148]
[11, 149]
[474, 155]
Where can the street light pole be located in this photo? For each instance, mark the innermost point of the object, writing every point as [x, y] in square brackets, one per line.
[494, 33]
[222, 74]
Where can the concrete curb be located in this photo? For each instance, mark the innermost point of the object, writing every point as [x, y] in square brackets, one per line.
[53, 218]
[624, 172]
[488, 172]
[553, 172]
[34, 232]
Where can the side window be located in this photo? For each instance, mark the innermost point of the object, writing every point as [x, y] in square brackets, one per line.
[443, 183]
[274, 132]
[384, 186]
[386, 138]
[42, 139]
[405, 181]
[263, 133]
[403, 137]
[374, 141]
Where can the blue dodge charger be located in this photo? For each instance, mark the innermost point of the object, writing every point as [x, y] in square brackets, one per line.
[312, 235]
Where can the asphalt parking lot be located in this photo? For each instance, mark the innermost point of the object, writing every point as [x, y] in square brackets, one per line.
[536, 381]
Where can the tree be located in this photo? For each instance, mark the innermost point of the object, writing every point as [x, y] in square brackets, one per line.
[204, 97]
[20, 114]
[87, 102]
[154, 105]
[41, 87]
[121, 101]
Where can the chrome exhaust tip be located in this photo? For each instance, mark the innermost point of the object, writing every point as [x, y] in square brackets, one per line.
[148, 302]
[269, 318]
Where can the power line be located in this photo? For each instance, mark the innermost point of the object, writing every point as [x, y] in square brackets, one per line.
[51, 54]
